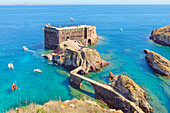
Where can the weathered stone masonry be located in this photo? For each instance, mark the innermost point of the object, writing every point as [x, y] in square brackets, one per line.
[105, 93]
[86, 34]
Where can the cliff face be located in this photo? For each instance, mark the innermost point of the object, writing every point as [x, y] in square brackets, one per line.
[129, 89]
[158, 63]
[74, 55]
[161, 35]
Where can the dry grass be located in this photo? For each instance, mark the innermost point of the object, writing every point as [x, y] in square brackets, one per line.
[70, 106]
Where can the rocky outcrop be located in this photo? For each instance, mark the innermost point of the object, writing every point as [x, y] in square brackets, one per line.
[48, 56]
[161, 35]
[73, 54]
[130, 90]
[158, 63]
[111, 76]
[68, 106]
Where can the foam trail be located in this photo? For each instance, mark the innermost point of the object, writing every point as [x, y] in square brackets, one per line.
[32, 51]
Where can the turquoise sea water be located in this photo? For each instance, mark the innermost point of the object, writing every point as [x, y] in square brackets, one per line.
[22, 25]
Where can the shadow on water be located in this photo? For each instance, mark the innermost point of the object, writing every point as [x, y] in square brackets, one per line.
[9, 91]
[66, 83]
[6, 69]
[38, 46]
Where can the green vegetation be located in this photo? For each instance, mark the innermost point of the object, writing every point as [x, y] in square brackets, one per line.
[130, 103]
[24, 107]
[40, 110]
[70, 106]
[48, 51]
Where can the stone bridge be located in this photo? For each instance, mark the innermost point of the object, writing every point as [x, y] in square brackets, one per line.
[104, 92]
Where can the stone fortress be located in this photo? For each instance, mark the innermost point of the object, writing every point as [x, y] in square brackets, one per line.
[53, 36]
[71, 51]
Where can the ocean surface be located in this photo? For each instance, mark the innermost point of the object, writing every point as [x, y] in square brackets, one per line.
[22, 26]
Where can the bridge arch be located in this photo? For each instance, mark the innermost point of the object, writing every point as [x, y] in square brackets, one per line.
[104, 92]
[87, 88]
[77, 83]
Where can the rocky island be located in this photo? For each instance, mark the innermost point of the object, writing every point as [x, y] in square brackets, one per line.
[72, 54]
[129, 89]
[80, 59]
[161, 35]
[158, 63]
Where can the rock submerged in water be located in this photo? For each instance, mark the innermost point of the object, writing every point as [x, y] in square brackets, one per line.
[161, 35]
[130, 90]
[158, 63]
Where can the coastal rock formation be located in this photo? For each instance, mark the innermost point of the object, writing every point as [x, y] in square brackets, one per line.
[69, 106]
[158, 63]
[106, 93]
[48, 56]
[73, 54]
[111, 76]
[130, 90]
[161, 35]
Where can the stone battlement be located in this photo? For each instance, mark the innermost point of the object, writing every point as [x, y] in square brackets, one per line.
[53, 36]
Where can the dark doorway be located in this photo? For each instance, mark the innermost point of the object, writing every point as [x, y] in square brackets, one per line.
[67, 37]
[89, 41]
[85, 33]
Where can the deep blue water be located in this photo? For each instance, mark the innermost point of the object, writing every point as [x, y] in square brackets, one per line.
[22, 25]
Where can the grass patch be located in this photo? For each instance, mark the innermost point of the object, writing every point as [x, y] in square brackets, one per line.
[40, 110]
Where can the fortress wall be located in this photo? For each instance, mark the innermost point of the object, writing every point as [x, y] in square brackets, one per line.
[112, 99]
[51, 38]
[54, 36]
[92, 35]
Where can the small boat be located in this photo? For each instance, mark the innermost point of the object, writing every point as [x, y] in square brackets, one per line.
[71, 19]
[14, 86]
[10, 66]
[121, 30]
[25, 48]
[37, 70]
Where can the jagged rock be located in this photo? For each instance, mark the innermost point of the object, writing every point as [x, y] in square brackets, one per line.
[73, 54]
[158, 63]
[48, 56]
[111, 75]
[130, 90]
[146, 51]
[161, 35]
